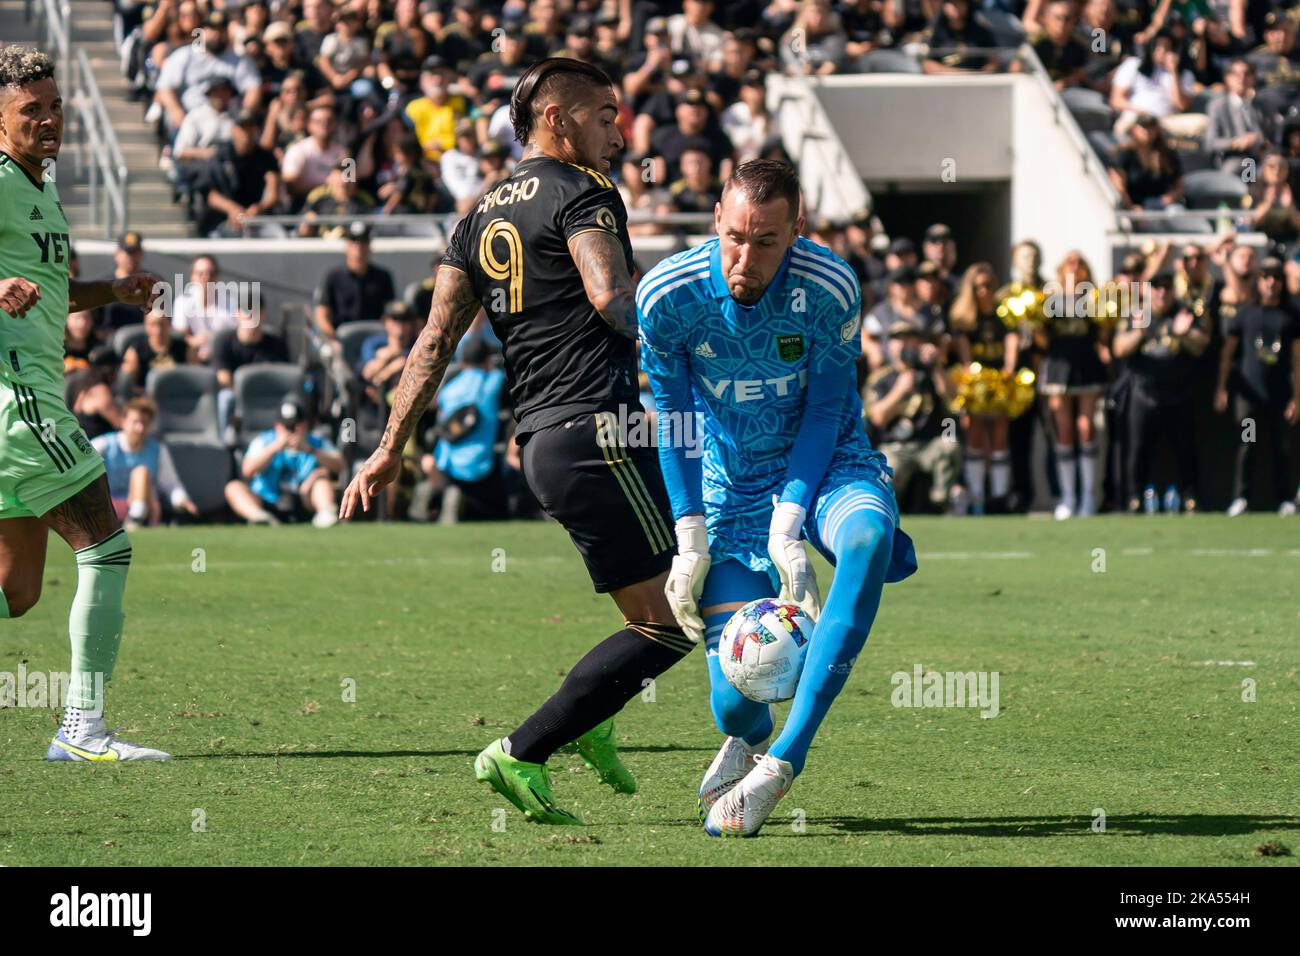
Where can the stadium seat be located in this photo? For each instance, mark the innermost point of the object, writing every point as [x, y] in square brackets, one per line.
[889, 61]
[187, 401]
[1206, 188]
[1196, 160]
[126, 335]
[1006, 28]
[204, 468]
[259, 388]
[1080, 96]
[1104, 145]
[1093, 118]
[351, 337]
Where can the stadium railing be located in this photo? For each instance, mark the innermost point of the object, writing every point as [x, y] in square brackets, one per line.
[98, 158]
[441, 225]
[99, 155]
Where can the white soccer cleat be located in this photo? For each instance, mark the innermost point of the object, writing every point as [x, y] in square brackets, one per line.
[1286, 509]
[1063, 512]
[742, 810]
[99, 746]
[729, 767]
[324, 519]
[1238, 507]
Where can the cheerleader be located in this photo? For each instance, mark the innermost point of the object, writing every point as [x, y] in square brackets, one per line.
[978, 335]
[1072, 376]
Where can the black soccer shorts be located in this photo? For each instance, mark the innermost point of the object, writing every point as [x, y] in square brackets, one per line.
[610, 498]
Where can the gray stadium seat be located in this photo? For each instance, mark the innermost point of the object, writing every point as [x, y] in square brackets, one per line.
[352, 335]
[204, 468]
[127, 334]
[1006, 29]
[1081, 96]
[1196, 160]
[187, 401]
[1206, 188]
[1093, 118]
[1103, 144]
[259, 389]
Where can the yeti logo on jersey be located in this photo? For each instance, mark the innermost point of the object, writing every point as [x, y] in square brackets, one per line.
[850, 328]
[51, 243]
[789, 347]
[705, 350]
[754, 389]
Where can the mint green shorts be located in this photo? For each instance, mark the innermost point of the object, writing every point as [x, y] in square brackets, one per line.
[45, 457]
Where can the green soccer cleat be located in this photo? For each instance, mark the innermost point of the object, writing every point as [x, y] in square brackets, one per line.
[524, 784]
[600, 753]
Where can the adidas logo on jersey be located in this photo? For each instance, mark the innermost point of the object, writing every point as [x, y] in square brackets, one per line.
[705, 350]
[36, 214]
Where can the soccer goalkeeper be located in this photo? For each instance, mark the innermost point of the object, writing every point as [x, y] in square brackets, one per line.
[757, 330]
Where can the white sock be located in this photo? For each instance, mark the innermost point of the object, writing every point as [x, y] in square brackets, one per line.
[138, 511]
[1000, 474]
[1088, 474]
[79, 724]
[975, 479]
[1065, 461]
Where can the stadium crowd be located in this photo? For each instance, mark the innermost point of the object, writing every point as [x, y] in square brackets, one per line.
[327, 111]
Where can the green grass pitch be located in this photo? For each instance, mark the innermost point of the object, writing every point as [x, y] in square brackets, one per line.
[1125, 691]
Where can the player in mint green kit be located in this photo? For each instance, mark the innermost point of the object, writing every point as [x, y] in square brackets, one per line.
[756, 332]
[51, 479]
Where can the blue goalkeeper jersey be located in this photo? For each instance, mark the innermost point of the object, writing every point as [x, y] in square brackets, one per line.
[754, 402]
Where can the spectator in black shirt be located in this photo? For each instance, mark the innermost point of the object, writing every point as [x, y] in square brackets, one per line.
[356, 290]
[1162, 349]
[247, 343]
[126, 260]
[340, 196]
[464, 40]
[906, 403]
[694, 121]
[243, 180]
[1148, 174]
[495, 73]
[1064, 55]
[1260, 364]
[954, 30]
[160, 348]
[697, 190]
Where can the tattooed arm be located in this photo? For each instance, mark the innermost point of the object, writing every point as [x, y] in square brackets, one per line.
[610, 289]
[453, 309]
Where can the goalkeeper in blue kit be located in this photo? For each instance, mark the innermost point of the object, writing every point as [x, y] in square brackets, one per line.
[756, 332]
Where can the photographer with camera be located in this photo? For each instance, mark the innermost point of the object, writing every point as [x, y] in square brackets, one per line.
[906, 402]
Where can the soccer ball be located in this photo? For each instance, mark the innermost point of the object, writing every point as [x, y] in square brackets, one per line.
[763, 647]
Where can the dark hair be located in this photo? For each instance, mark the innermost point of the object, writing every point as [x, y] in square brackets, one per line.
[20, 65]
[547, 80]
[763, 180]
[1147, 64]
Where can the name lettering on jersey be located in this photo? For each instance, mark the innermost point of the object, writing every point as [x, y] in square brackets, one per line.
[52, 242]
[510, 191]
[756, 389]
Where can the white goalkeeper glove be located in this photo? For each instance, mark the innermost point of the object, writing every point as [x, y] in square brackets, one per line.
[686, 579]
[787, 551]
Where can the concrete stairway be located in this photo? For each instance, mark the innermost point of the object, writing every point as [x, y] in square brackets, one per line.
[149, 206]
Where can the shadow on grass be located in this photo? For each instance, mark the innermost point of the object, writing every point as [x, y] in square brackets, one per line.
[1140, 824]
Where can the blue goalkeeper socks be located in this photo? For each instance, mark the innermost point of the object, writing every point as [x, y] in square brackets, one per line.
[862, 551]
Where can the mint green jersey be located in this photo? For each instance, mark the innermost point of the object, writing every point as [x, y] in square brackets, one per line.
[34, 245]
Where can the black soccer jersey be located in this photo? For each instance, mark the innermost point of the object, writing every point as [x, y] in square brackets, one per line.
[562, 359]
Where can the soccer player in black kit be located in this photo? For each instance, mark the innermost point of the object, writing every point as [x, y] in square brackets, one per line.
[546, 254]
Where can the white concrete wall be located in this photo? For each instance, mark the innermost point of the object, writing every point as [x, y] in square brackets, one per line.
[912, 130]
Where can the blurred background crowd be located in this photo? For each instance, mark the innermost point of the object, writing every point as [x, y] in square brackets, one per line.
[326, 114]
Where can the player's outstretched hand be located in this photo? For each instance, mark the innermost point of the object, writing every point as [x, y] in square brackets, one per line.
[787, 551]
[139, 288]
[18, 296]
[686, 578]
[380, 469]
